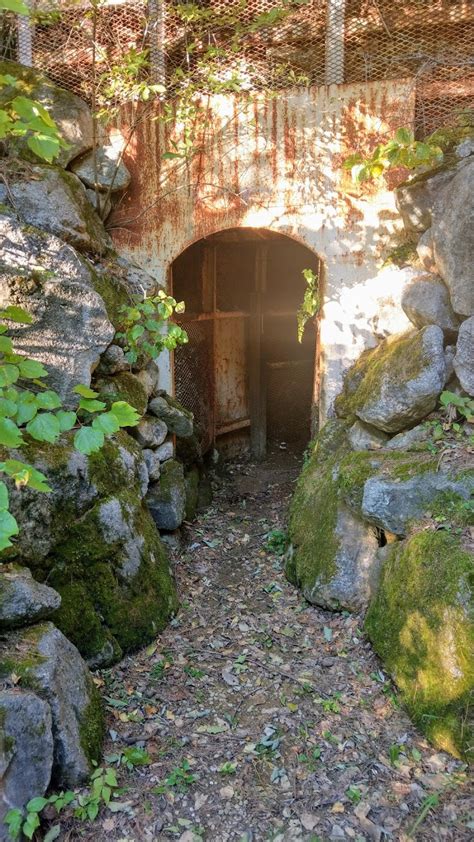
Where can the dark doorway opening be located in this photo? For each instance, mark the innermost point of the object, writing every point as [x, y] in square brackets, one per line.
[244, 374]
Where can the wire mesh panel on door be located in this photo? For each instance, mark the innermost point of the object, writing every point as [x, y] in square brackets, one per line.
[193, 378]
[282, 43]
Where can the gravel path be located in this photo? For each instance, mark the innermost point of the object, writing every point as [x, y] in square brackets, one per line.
[259, 717]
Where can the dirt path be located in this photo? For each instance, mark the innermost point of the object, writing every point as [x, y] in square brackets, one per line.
[263, 718]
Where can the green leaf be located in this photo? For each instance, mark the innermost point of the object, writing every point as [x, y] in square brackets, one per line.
[8, 528]
[24, 474]
[126, 415]
[14, 818]
[91, 405]
[88, 440]
[32, 369]
[107, 423]
[35, 805]
[8, 374]
[45, 427]
[404, 136]
[16, 314]
[85, 392]
[3, 497]
[26, 408]
[6, 345]
[10, 435]
[44, 146]
[31, 824]
[7, 408]
[66, 420]
[48, 400]
[16, 6]
[53, 833]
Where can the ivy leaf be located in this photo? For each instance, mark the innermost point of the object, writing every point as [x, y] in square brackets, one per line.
[45, 146]
[32, 369]
[35, 805]
[66, 420]
[85, 392]
[8, 374]
[16, 314]
[8, 527]
[16, 6]
[3, 497]
[10, 435]
[24, 474]
[7, 408]
[107, 423]
[88, 440]
[6, 344]
[126, 415]
[48, 400]
[91, 405]
[26, 408]
[45, 427]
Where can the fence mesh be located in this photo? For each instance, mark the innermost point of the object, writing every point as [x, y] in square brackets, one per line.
[315, 42]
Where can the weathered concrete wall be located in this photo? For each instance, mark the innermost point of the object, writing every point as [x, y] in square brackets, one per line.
[275, 162]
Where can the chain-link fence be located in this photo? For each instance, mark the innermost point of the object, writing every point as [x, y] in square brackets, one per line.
[261, 44]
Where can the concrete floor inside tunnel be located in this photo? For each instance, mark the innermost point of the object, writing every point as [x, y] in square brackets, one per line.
[248, 380]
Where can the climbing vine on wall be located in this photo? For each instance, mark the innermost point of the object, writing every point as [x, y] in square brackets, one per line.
[311, 302]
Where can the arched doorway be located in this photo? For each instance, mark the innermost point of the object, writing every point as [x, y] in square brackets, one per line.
[244, 374]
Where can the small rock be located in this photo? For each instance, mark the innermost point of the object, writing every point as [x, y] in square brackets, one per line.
[363, 437]
[464, 360]
[415, 199]
[147, 380]
[152, 460]
[409, 439]
[178, 420]
[113, 361]
[22, 600]
[105, 166]
[165, 451]
[426, 302]
[150, 432]
[226, 792]
[167, 498]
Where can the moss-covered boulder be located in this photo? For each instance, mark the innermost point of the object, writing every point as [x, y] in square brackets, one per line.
[51, 667]
[93, 540]
[395, 385]
[421, 622]
[178, 419]
[71, 114]
[333, 554]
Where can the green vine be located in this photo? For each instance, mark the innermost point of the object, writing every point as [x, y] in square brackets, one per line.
[146, 327]
[311, 302]
[400, 151]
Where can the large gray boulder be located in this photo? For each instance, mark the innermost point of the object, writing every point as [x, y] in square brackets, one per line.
[363, 437]
[70, 327]
[453, 239]
[393, 504]
[56, 201]
[426, 302]
[26, 750]
[104, 169]
[397, 384]
[72, 115]
[22, 600]
[51, 666]
[464, 360]
[167, 498]
[416, 199]
[178, 419]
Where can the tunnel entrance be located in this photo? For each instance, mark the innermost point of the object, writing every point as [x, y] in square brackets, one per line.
[244, 375]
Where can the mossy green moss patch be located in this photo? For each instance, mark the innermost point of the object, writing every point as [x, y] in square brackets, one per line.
[123, 387]
[313, 512]
[421, 624]
[400, 356]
